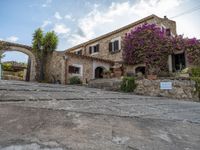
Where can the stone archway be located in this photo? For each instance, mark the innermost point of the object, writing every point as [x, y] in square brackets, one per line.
[34, 70]
[99, 72]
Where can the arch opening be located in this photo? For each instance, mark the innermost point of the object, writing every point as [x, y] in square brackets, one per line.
[140, 69]
[15, 66]
[13, 51]
[99, 72]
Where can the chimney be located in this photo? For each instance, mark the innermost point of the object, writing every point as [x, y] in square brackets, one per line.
[165, 17]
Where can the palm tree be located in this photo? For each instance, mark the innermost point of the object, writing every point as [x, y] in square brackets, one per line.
[44, 45]
[38, 42]
[38, 49]
[50, 42]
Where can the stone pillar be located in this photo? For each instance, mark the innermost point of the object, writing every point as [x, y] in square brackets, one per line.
[63, 70]
[170, 63]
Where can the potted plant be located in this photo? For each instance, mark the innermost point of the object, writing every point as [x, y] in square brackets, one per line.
[152, 74]
[185, 73]
[106, 73]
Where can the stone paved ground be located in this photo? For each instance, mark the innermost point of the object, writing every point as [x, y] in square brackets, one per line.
[56, 117]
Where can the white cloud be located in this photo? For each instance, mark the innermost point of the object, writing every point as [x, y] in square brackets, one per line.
[46, 23]
[61, 29]
[47, 3]
[44, 5]
[118, 15]
[158, 7]
[12, 39]
[57, 16]
[68, 17]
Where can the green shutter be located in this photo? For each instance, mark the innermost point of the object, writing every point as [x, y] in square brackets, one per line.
[110, 47]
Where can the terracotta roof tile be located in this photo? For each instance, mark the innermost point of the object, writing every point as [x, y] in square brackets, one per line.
[89, 57]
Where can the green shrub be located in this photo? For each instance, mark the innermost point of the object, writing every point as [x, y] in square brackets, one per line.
[197, 81]
[7, 66]
[75, 80]
[195, 73]
[128, 84]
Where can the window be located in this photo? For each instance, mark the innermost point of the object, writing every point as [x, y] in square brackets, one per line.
[168, 32]
[79, 52]
[94, 49]
[74, 70]
[114, 46]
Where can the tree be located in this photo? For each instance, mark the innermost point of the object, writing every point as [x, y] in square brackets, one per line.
[1, 56]
[38, 42]
[50, 42]
[42, 46]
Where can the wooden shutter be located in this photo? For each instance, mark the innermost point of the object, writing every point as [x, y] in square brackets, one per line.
[90, 49]
[94, 49]
[71, 69]
[97, 48]
[80, 52]
[117, 45]
[110, 47]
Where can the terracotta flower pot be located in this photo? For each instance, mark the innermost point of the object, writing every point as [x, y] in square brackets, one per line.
[152, 77]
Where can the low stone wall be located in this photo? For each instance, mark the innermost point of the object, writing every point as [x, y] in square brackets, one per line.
[106, 84]
[181, 89]
[11, 77]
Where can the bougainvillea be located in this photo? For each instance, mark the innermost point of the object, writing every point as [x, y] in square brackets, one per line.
[148, 44]
[190, 46]
[193, 51]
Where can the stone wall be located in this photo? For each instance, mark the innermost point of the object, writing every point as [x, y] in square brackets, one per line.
[87, 65]
[55, 68]
[181, 89]
[117, 56]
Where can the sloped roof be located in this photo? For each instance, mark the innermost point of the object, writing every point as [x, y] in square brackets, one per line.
[89, 57]
[114, 32]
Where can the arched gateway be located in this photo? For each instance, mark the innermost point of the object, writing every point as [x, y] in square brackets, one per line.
[33, 61]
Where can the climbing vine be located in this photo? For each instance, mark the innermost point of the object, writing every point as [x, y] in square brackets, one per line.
[193, 51]
[148, 44]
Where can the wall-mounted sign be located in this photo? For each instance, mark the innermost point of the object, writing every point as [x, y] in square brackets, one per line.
[165, 85]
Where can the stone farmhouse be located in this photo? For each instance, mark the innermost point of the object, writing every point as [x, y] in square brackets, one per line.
[90, 59]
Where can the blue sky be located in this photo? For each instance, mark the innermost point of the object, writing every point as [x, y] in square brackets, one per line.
[76, 21]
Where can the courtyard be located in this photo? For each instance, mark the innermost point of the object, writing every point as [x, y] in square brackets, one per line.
[65, 117]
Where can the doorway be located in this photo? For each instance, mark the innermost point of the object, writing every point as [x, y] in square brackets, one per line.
[99, 72]
[178, 62]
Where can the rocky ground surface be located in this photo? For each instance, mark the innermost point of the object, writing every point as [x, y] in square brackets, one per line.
[36, 116]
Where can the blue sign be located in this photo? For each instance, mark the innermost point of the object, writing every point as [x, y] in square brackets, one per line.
[165, 85]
